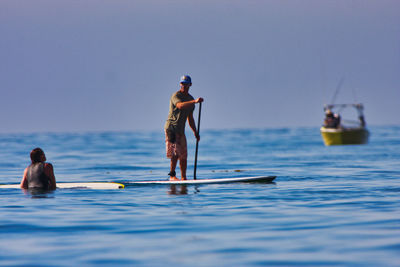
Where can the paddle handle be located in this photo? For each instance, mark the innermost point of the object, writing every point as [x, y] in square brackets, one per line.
[197, 143]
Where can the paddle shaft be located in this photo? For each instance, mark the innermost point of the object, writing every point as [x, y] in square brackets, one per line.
[197, 143]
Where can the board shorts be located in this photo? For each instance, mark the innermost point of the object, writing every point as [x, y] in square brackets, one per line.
[179, 148]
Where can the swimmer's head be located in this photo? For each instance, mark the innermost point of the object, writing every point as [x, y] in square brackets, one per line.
[37, 155]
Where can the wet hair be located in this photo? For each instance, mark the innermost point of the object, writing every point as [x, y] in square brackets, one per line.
[36, 155]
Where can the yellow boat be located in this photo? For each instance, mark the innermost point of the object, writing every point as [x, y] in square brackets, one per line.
[335, 133]
[345, 136]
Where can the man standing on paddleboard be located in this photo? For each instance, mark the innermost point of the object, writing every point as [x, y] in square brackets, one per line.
[181, 108]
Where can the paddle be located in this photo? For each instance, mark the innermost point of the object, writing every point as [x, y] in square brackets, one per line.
[197, 144]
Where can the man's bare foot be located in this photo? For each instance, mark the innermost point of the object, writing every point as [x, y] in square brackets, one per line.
[183, 178]
[172, 176]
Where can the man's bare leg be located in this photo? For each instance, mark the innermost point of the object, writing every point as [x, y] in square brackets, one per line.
[183, 166]
[174, 161]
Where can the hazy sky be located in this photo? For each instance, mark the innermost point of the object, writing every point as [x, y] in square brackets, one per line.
[77, 65]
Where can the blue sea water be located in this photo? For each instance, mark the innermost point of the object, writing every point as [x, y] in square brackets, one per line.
[329, 206]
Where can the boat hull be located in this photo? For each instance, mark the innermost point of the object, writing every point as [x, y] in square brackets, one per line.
[347, 136]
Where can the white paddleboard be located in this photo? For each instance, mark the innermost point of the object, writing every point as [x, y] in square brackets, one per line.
[92, 185]
[257, 179]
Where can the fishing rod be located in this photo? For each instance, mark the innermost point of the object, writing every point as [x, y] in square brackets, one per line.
[338, 87]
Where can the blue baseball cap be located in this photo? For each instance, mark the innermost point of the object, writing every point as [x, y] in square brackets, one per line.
[186, 79]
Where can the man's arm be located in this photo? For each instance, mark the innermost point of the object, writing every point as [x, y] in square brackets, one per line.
[24, 182]
[50, 173]
[188, 104]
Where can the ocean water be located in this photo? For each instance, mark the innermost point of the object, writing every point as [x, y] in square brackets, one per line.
[329, 206]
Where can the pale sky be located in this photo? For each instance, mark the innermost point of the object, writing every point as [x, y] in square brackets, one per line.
[77, 65]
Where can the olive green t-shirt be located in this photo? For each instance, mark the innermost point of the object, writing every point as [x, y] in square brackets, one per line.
[177, 117]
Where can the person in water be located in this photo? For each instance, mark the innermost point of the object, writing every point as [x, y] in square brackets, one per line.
[181, 109]
[39, 174]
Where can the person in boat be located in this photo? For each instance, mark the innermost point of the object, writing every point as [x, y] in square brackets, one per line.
[39, 174]
[331, 120]
[362, 121]
[181, 109]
